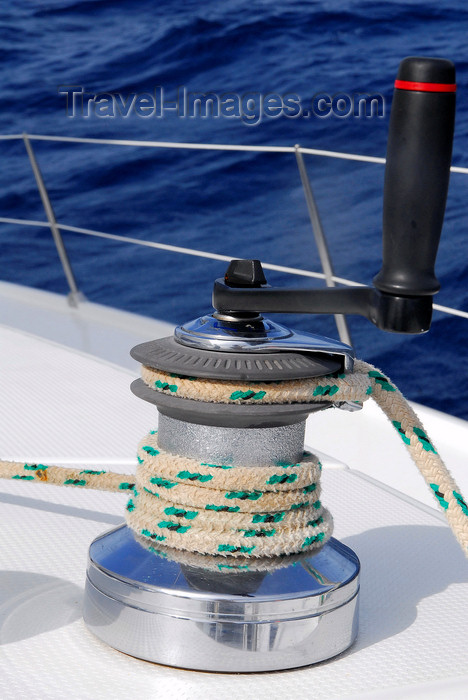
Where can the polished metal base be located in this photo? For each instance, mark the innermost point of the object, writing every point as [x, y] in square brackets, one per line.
[195, 614]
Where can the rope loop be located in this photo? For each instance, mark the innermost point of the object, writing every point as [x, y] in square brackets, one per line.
[220, 509]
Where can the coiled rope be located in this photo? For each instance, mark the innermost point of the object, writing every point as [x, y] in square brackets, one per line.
[219, 509]
[259, 512]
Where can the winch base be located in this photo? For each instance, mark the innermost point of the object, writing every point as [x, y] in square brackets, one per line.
[184, 615]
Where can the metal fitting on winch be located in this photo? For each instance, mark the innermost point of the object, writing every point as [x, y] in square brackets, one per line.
[242, 347]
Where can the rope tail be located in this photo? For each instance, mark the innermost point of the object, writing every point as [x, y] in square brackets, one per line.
[424, 454]
[101, 480]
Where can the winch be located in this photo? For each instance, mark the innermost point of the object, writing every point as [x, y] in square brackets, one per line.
[227, 562]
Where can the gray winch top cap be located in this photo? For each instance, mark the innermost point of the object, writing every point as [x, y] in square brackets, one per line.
[168, 355]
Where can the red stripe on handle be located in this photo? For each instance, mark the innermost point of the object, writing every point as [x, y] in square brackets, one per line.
[425, 87]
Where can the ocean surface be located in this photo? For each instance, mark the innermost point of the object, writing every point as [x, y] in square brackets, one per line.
[235, 204]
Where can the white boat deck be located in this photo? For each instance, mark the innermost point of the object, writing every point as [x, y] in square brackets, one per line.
[64, 406]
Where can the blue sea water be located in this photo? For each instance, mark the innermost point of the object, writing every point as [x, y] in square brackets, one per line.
[236, 204]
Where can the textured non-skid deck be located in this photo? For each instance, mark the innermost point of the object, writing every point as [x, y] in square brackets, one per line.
[62, 407]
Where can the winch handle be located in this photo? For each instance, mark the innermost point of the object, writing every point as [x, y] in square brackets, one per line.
[417, 175]
[415, 192]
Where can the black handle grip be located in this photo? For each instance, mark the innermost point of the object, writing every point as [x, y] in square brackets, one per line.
[417, 174]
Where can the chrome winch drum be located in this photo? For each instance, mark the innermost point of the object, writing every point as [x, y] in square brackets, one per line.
[178, 608]
[186, 616]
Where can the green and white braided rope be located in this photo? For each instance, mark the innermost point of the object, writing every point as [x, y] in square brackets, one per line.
[363, 383]
[250, 512]
[98, 479]
[335, 387]
[225, 510]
